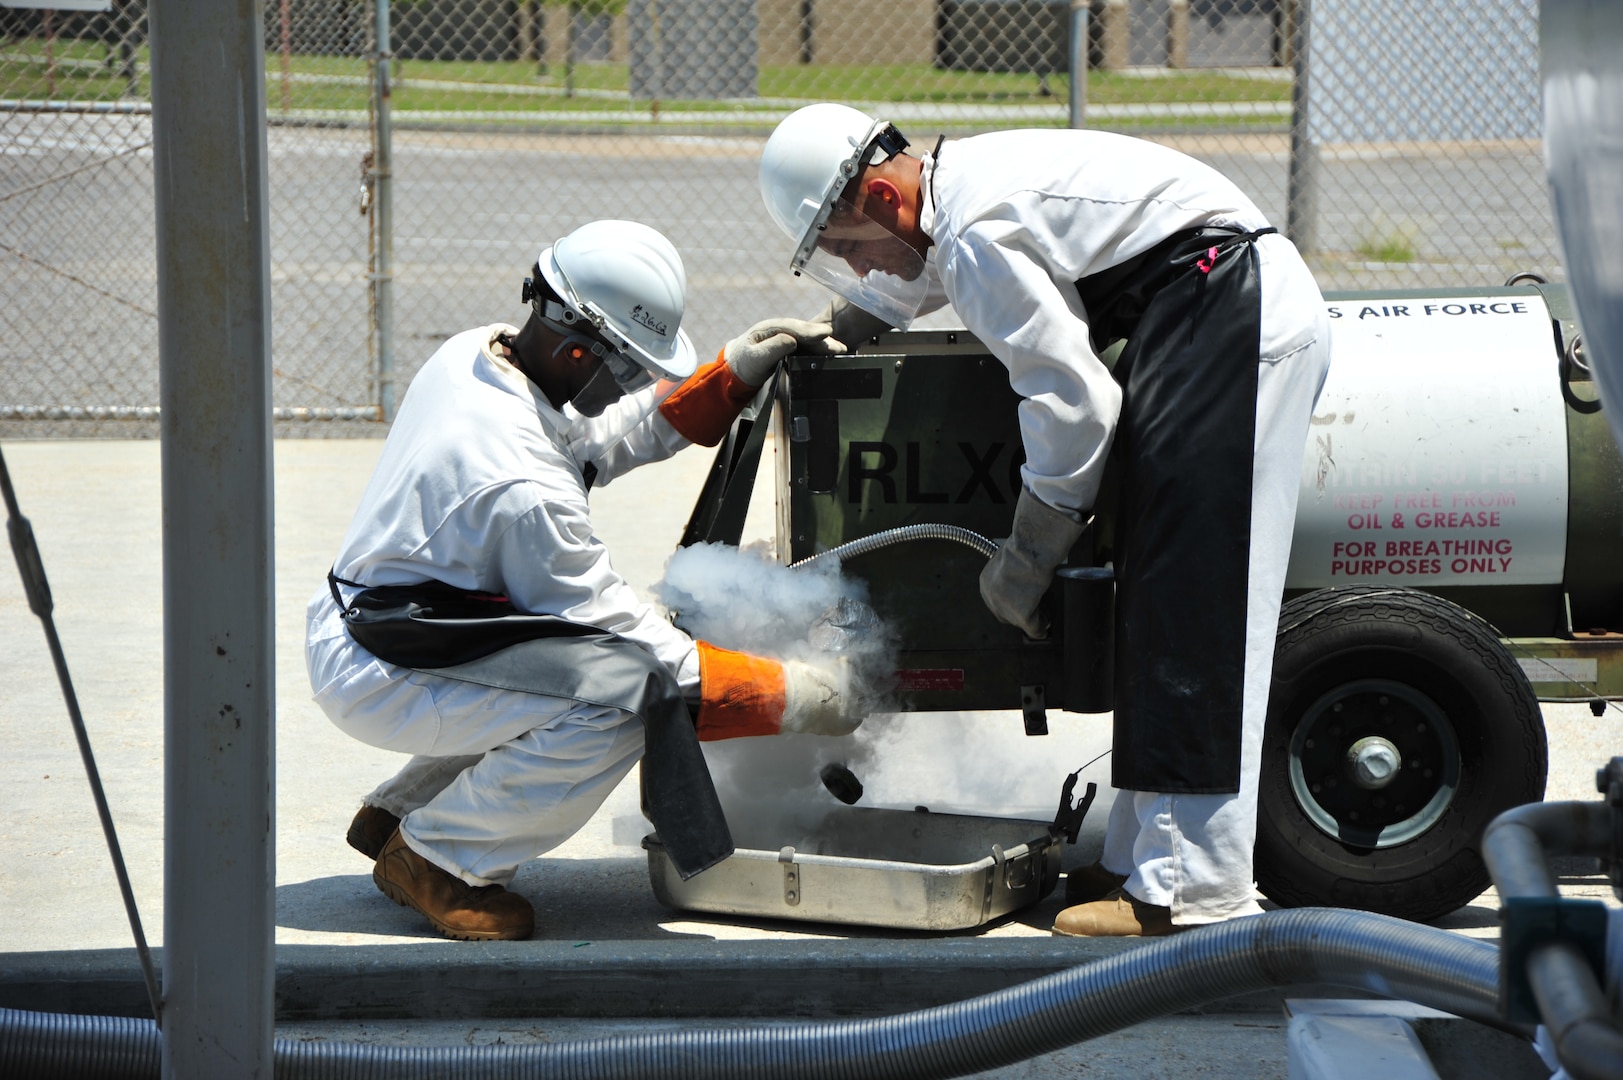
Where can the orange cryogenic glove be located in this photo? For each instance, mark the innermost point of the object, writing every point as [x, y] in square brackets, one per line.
[705, 406]
[741, 695]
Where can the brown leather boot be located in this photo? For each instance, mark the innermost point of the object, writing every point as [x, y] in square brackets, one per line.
[1088, 883]
[457, 909]
[1121, 914]
[371, 828]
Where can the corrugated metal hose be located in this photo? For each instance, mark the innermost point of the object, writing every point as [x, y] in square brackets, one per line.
[929, 530]
[1384, 956]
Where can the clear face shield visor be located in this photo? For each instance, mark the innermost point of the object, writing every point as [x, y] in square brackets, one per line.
[616, 376]
[867, 264]
[857, 257]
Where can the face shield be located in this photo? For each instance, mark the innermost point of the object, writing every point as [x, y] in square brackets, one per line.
[857, 257]
[867, 264]
[617, 374]
[600, 391]
[615, 377]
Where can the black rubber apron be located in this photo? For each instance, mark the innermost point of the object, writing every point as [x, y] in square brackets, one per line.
[1190, 310]
[483, 639]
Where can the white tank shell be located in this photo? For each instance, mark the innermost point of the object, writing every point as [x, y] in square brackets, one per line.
[1437, 453]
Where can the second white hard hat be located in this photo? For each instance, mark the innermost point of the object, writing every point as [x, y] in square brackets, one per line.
[626, 280]
[811, 155]
[810, 159]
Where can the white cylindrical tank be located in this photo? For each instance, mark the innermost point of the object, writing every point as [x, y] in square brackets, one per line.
[1438, 451]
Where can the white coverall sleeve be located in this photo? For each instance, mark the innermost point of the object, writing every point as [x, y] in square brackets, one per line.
[1007, 294]
[553, 563]
[631, 432]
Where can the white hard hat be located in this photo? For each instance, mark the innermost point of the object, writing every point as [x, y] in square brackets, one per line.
[625, 279]
[811, 155]
[810, 158]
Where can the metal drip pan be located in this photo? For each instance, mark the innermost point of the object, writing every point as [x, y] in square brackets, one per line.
[908, 869]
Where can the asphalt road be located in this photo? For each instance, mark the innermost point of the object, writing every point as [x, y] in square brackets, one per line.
[472, 210]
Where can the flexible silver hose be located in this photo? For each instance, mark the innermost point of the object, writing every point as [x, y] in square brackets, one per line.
[903, 534]
[1516, 845]
[1319, 946]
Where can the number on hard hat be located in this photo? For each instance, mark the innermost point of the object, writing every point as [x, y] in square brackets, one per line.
[808, 162]
[617, 290]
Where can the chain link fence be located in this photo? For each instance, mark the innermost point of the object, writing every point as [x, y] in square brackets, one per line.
[1398, 143]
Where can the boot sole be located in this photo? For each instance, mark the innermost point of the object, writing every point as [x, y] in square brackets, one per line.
[401, 897]
[365, 842]
[357, 840]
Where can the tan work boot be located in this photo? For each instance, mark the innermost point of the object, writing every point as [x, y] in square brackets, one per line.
[1120, 914]
[1088, 883]
[457, 909]
[371, 828]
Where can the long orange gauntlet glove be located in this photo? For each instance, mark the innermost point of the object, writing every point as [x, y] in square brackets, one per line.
[743, 695]
[705, 406]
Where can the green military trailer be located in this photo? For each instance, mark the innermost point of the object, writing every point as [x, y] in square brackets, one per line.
[1458, 557]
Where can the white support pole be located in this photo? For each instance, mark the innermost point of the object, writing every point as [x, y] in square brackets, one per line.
[1302, 183]
[383, 207]
[213, 243]
[1079, 63]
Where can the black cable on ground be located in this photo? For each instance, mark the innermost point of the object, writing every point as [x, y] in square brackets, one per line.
[32, 569]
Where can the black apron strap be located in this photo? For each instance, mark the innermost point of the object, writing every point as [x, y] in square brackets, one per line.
[1117, 298]
[1185, 444]
[483, 639]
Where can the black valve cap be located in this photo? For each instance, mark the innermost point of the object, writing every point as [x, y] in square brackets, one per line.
[841, 782]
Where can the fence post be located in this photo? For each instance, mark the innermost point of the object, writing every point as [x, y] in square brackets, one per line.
[1079, 63]
[1301, 199]
[383, 207]
[1115, 35]
[528, 31]
[1178, 34]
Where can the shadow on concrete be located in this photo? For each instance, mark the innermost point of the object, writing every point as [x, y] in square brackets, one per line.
[344, 904]
[574, 899]
[1476, 915]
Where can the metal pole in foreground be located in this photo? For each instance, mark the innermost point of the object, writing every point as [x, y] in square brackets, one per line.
[383, 192]
[213, 243]
[1079, 63]
[1302, 195]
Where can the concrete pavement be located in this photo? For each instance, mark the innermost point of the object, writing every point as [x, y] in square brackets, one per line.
[96, 511]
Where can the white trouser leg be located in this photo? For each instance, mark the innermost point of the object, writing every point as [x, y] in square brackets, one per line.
[1121, 831]
[526, 795]
[421, 779]
[1192, 853]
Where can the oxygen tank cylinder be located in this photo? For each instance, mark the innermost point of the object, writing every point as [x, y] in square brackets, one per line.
[1450, 451]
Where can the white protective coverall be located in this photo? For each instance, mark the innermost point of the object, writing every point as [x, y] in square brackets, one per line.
[1017, 218]
[481, 486]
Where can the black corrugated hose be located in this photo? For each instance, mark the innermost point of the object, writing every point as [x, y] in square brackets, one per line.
[1326, 946]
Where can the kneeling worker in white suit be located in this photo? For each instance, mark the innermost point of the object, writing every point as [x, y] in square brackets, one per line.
[472, 617]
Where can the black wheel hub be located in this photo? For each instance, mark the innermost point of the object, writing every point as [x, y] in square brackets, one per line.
[1374, 763]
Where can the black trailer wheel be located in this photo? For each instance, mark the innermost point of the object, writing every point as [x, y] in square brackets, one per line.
[1399, 725]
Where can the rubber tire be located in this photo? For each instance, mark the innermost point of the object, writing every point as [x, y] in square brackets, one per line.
[1334, 637]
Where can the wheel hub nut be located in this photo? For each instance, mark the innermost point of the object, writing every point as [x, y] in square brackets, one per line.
[1374, 761]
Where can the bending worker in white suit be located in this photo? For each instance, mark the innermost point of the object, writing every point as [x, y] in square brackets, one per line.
[1051, 246]
[472, 617]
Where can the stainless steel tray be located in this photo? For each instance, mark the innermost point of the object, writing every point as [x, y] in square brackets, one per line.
[909, 869]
